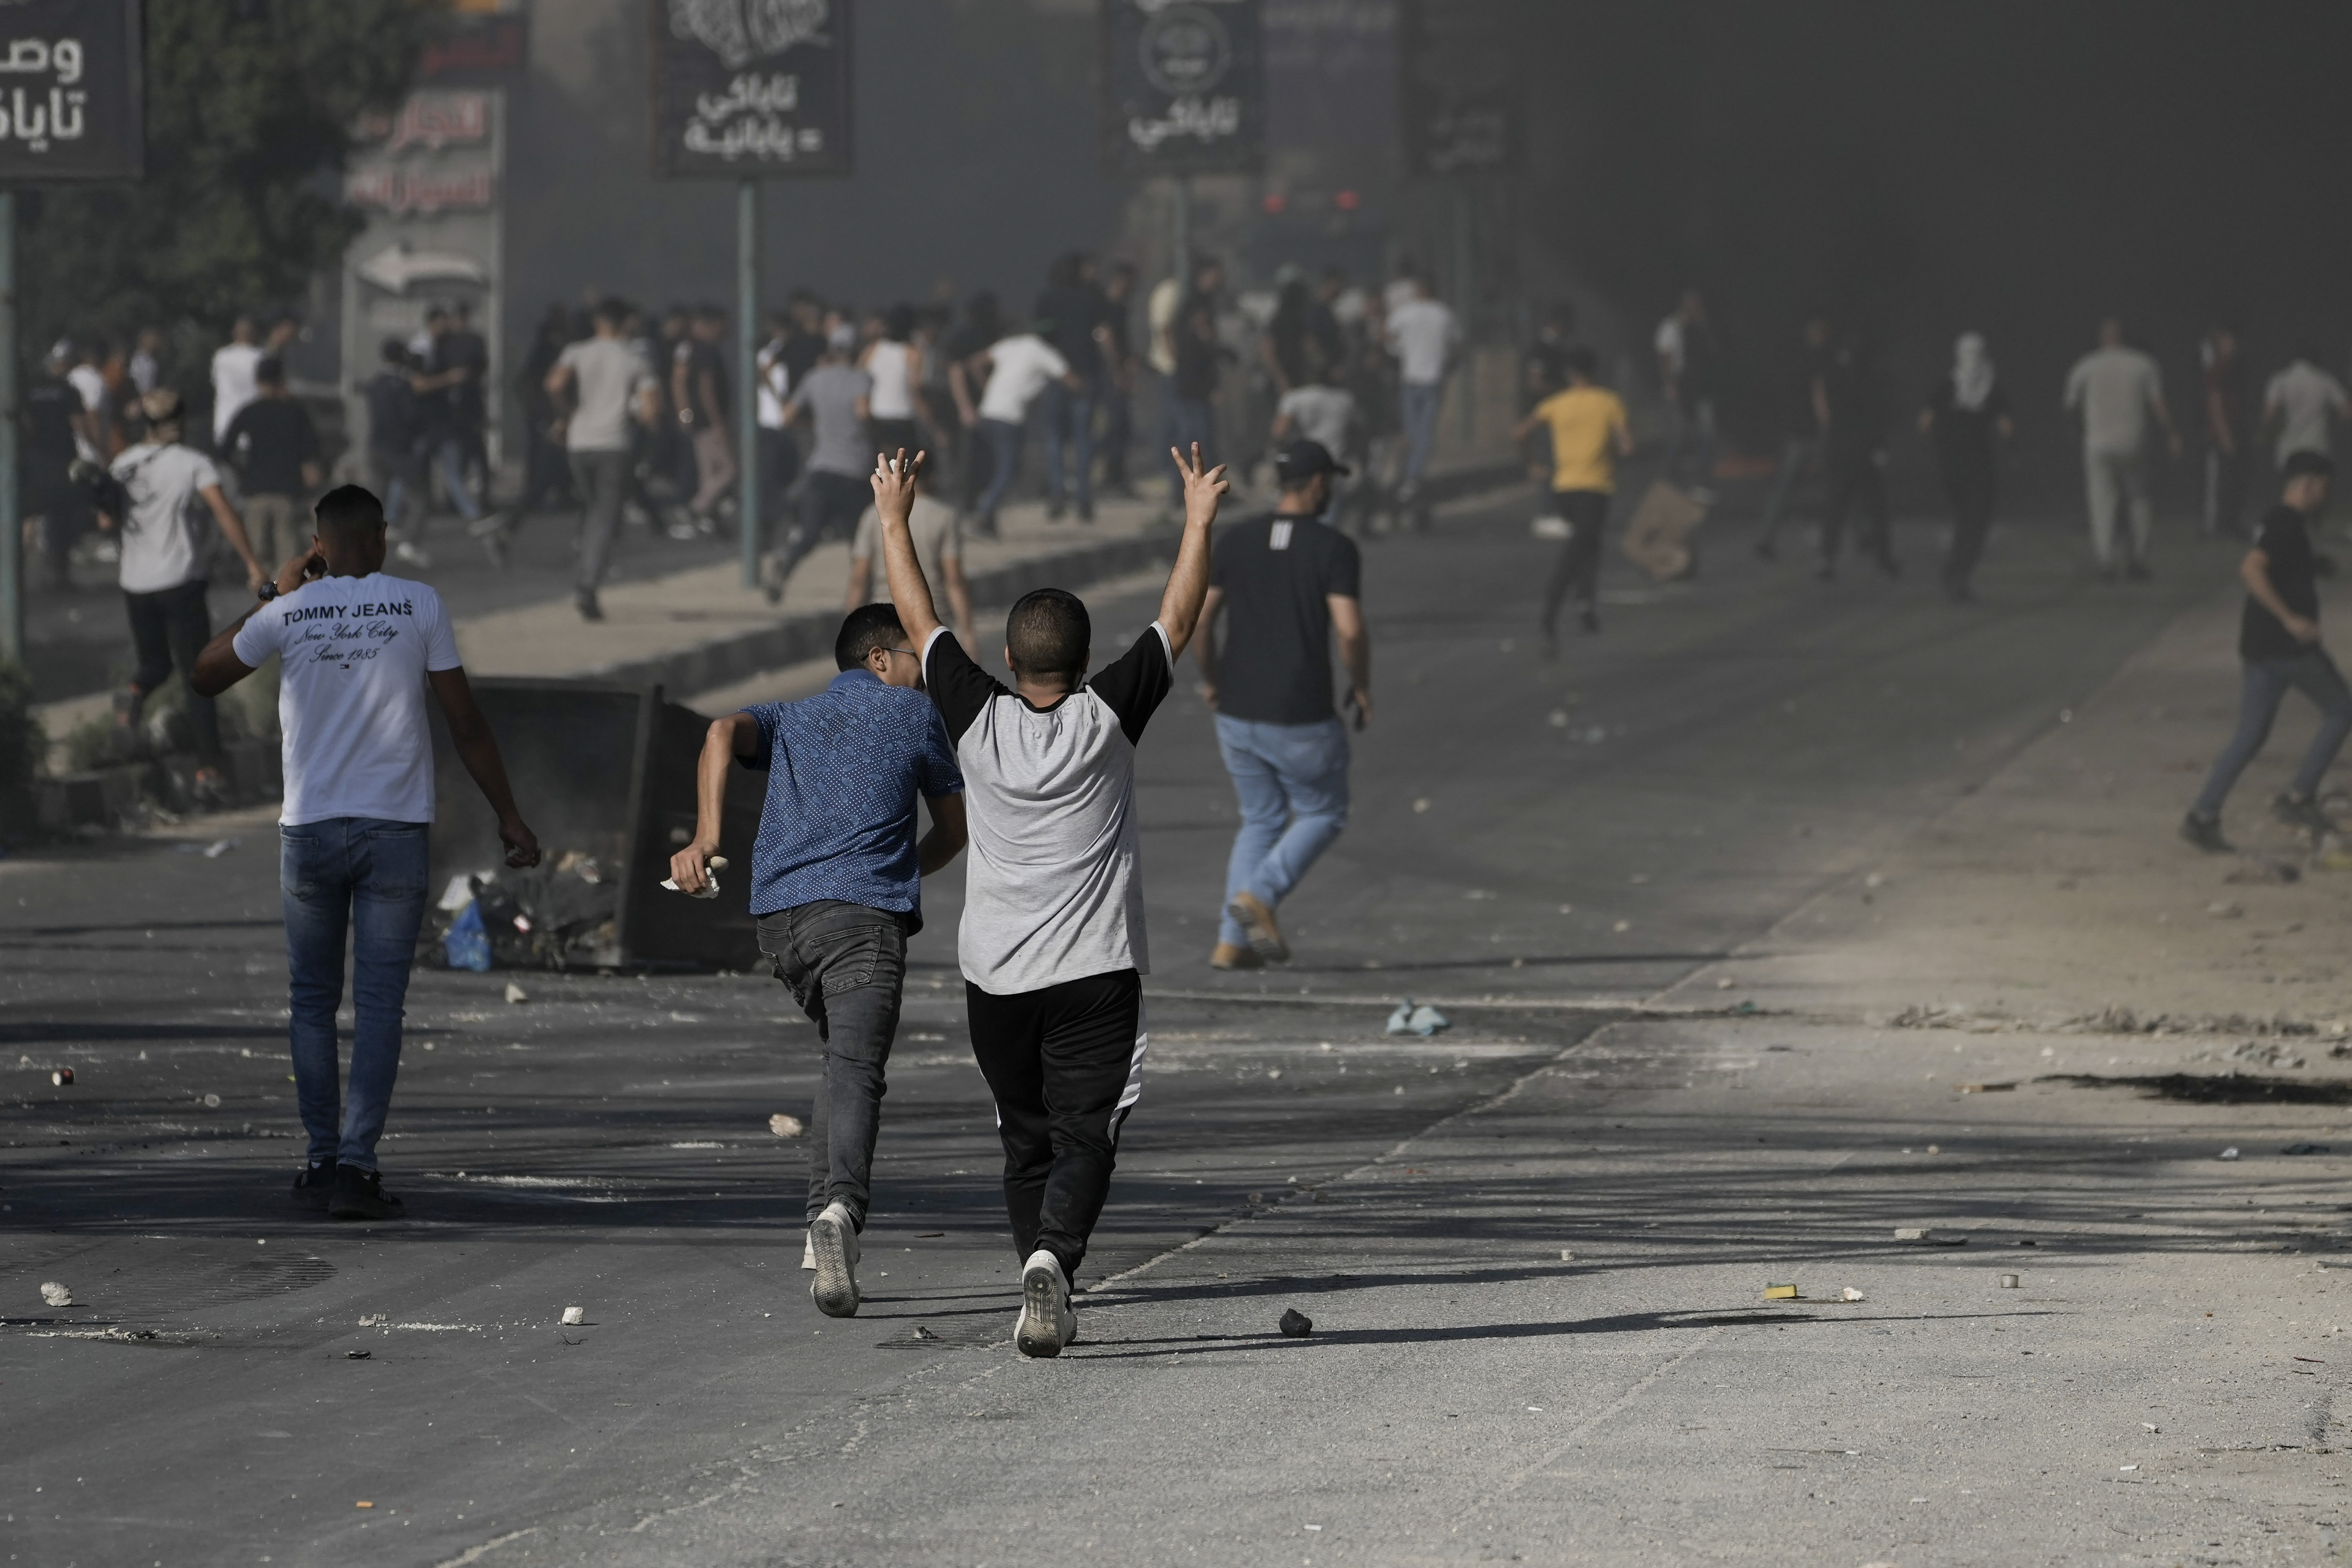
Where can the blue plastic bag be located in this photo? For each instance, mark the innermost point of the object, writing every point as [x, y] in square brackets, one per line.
[468, 945]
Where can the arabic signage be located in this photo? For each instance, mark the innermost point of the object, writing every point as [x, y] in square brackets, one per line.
[1458, 94]
[751, 87]
[1184, 86]
[71, 103]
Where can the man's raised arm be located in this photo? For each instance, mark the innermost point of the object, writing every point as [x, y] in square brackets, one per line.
[1188, 584]
[894, 502]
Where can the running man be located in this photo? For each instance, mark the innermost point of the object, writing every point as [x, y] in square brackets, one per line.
[2278, 639]
[2117, 390]
[1589, 434]
[357, 817]
[1051, 943]
[2302, 403]
[1290, 579]
[836, 886]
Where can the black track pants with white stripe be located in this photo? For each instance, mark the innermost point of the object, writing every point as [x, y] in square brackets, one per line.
[1065, 1065]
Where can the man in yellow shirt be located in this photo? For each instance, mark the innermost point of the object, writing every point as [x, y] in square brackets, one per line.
[1589, 434]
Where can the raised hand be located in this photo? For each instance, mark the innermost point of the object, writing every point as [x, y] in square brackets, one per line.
[1204, 486]
[894, 483]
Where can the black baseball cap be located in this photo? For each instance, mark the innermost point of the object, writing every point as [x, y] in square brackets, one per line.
[1304, 459]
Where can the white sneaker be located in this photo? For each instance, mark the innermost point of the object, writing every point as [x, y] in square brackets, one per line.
[411, 555]
[834, 1238]
[1046, 1323]
[808, 1251]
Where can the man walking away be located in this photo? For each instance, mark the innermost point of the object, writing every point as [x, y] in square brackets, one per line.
[836, 888]
[166, 498]
[1689, 369]
[233, 365]
[1118, 377]
[2117, 390]
[607, 378]
[353, 831]
[1319, 410]
[1856, 448]
[939, 549]
[2278, 640]
[698, 388]
[2228, 435]
[1589, 434]
[1966, 411]
[779, 454]
[2302, 403]
[275, 449]
[52, 413]
[1070, 316]
[1017, 369]
[1807, 417]
[394, 435]
[1191, 414]
[1289, 580]
[836, 398]
[1051, 943]
[1423, 335]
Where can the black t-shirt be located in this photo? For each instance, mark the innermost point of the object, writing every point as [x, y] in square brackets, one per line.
[704, 359]
[269, 440]
[467, 352]
[50, 404]
[392, 422]
[1196, 351]
[1071, 313]
[801, 352]
[1964, 436]
[1277, 574]
[1804, 420]
[2284, 539]
[1857, 407]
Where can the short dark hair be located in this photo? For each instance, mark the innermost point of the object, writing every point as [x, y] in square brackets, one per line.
[1583, 362]
[349, 507]
[394, 352]
[2301, 463]
[612, 309]
[269, 371]
[863, 630]
[1048, 633]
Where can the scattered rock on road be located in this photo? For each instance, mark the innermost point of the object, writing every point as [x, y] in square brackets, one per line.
[784, 1126]
[1295, 1324]
[55, 1294]
[515, 994]
[574, 1316]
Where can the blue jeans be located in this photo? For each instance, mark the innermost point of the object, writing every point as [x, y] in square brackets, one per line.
[364, 876]
[449, 462]
[1004, 439]
[1188, 419]
[1417, 403]
[1070, 419]
[1292, 783]
[2266, 684]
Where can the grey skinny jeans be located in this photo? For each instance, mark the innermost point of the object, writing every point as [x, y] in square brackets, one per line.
[844, 965]
[2265, 686]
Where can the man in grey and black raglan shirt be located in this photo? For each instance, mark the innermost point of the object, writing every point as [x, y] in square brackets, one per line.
[1051, 943]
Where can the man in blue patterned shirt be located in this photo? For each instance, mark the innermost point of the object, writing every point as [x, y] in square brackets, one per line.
[836, 885]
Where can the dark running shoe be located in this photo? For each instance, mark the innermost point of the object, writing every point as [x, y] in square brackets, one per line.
[2205, 832]
[2304, 814]
[360, 1194]
[312, 1184]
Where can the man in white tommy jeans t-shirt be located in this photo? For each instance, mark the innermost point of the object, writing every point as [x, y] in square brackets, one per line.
[357, 649]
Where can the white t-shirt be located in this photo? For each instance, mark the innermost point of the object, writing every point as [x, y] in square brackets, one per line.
[91, 382]
[170, 527]
[1321, 413]
[893, 396]
[1421, 333]
[2115, 390]
[1669, 343]
[2305, 395]
[351, 694]
[232, 383]
[606, 375]
[1020, 368]
[774, 384]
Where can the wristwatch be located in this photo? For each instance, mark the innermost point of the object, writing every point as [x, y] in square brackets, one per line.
[268, 590]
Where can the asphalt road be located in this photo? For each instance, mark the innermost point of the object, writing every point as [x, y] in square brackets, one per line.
[1535, 845]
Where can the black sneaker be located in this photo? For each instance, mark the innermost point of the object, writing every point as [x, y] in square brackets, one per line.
[360, 1194]
[2303, 812]
[2205, 832]
[313, 1182]
[585, 602]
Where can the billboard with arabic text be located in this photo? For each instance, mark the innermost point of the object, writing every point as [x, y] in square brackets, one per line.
[1184, 86]
[748, 89]
[71, 102]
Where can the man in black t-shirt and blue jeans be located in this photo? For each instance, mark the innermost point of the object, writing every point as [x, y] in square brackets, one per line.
[1285, 581]
[2278, 638]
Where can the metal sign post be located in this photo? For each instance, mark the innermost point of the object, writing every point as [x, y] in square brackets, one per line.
[746, 92]
[74, 109]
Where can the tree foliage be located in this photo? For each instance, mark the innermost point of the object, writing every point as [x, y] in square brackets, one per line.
[250, 106]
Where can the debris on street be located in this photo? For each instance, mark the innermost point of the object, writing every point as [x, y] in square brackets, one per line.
[62, 1077]
[784, 1126]
[1780, 1292]
[2009, 1281]
[1417, 1019]
[1851, 1294]
[515, 994]
[1295, 1324]
[574, 1316]
[55, 1294]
